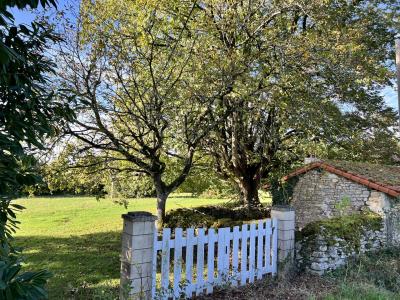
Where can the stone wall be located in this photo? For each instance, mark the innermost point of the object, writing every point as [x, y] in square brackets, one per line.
[320, 253]
[392, 221]
[320, 197]
[389, 208]
[319, 194]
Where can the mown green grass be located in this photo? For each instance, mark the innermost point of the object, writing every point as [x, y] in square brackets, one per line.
[79, 239]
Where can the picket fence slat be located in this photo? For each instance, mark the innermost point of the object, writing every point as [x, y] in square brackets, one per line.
[200, 262]
[260, 243]
[252, 251]
[165, 261]
[267, 249]
[235, 255]
[154, 262]
[243, 254]
[210, 260]
[220, 257]
[243, 267]
[227, 251]
[177, 261]
[189, 261]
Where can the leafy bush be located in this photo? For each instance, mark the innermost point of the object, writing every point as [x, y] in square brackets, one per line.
[223, 215]
[28, 285]
[13, 285]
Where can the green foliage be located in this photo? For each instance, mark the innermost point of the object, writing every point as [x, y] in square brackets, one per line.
[29, 114]
[87, 174]
[128, 185]
[304, 55]
[282, 190]
[222, 215]
[379, 146]
[348, 227]
[204, 180]
[374, 275]
[28, 285]
[63, 174]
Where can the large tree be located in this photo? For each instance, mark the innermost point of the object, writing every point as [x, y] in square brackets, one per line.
[296, 72]
[130, 69]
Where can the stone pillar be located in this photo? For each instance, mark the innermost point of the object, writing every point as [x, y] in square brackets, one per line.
[137, 255]
[286, 227]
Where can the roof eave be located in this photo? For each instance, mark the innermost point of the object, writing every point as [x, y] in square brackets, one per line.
[353, 177]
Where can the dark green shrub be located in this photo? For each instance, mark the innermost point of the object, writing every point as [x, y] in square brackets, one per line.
[223, 215]
[28, 285]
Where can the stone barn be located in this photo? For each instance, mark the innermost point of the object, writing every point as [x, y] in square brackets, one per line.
[329, 188]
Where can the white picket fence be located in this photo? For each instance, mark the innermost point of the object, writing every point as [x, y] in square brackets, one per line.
[227, 256]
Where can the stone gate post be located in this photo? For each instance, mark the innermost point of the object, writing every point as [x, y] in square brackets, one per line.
[286, 228]
[137, 255]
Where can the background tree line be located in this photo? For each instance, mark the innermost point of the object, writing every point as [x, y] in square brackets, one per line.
[63, 175]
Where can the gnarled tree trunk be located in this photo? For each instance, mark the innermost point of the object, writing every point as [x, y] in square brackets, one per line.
[249, 192]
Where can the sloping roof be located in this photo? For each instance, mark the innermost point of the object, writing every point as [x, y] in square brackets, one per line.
[383, 178]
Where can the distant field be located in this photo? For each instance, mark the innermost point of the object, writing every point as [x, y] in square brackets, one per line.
[78, 239]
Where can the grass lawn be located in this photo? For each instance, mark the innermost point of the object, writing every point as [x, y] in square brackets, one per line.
[78, 239]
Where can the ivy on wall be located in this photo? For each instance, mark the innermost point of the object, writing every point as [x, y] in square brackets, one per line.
[282, 191]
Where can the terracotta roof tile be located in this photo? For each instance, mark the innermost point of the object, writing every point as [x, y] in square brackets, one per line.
[384, 178]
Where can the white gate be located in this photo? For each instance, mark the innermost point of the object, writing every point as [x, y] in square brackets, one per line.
[195, 261]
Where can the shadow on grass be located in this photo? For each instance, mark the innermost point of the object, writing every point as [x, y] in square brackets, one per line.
[84, 267]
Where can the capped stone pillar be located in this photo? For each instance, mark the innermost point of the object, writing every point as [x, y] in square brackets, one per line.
[286, 227]
[137, 255]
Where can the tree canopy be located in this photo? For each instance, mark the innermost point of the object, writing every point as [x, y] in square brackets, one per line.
[130, 69]
[257, 85]
[299, 74]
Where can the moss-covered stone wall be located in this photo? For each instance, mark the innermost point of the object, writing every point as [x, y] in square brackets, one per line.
[327, 244]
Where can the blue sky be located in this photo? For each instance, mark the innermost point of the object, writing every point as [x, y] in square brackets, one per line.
[390, 96]
[26, 16]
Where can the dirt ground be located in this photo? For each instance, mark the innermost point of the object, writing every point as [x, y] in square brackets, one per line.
[298, 287]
